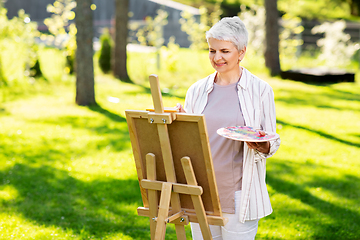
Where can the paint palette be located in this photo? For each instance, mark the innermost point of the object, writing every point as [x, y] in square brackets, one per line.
[246, 134]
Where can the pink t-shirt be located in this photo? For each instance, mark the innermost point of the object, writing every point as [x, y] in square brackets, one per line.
[223, 110]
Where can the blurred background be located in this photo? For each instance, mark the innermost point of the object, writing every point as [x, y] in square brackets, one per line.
[70, 68]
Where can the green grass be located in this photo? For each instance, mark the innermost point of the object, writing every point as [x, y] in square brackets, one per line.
[313, 179]
[67, 172]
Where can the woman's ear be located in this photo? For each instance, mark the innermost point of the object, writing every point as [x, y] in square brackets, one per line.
[242, 54]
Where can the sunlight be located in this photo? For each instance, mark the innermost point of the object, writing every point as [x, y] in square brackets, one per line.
[28, 229]
[8, 192]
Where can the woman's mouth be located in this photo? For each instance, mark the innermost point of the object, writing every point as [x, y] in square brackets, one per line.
[220, 64]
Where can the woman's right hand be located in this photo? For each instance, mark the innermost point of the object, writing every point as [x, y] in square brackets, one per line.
[180, 108]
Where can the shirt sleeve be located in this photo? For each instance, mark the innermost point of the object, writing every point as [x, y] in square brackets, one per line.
[268, 121]
[189, 100]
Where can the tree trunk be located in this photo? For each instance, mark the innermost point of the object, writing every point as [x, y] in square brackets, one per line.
[85, 93]
[121, 35]
[355, 7]
[272, 37]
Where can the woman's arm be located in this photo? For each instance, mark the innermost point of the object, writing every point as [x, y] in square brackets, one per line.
[268, 123]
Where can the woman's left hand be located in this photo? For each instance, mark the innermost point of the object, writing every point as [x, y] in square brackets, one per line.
[180, 108]
[263, 147]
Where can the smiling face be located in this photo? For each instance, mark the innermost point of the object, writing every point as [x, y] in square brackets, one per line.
[224, 56]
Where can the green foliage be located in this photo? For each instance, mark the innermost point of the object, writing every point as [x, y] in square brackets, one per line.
[230, 8]
[63, 31]
[196, 30]
[52, 62]
[21, 33]
[290, 39]
[170, 55]
[324, 9]
[150, 32]
[35, 70]
[2, 77]
[319, 9]
[70, 63]
[105, 51]
[188, 67]
[289, 34]
[254, 20]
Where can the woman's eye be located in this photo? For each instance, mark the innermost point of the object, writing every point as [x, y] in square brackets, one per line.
[225, 51]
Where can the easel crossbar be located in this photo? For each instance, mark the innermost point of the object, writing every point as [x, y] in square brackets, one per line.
[174, 216]
[176, 187]
[212, 220]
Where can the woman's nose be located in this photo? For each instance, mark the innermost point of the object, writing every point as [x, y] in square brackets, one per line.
[217, 56]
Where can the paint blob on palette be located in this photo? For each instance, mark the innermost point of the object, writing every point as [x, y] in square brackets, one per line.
[246, 134]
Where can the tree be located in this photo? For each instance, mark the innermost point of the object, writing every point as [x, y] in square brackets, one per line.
[272, 37]
[59, 25]
[85, 93]
[354, 7]
[121, 35]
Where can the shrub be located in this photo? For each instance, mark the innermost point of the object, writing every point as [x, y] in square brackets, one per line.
[18, 47]
[105, 52]
[35, 70]
[336, 47]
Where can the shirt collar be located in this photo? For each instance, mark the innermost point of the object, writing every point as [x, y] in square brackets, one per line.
[210, 82]
[243, 83]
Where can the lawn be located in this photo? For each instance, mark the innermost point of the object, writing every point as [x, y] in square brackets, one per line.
[67, 172]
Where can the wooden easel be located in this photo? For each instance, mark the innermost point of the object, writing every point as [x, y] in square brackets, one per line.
[168, 207]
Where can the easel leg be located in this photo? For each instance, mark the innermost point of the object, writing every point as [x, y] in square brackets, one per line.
[196, 199]
[153, 202]
[170, 175]
[168, 164]
[180, 232]
[152, 194]
[180, 229]
[163, 210]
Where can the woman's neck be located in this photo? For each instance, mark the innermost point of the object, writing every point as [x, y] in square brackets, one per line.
[227, 78]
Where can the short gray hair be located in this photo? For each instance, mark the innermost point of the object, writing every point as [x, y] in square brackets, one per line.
[230, 29]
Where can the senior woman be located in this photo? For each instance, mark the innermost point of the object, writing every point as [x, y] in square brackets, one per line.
[234, 96]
